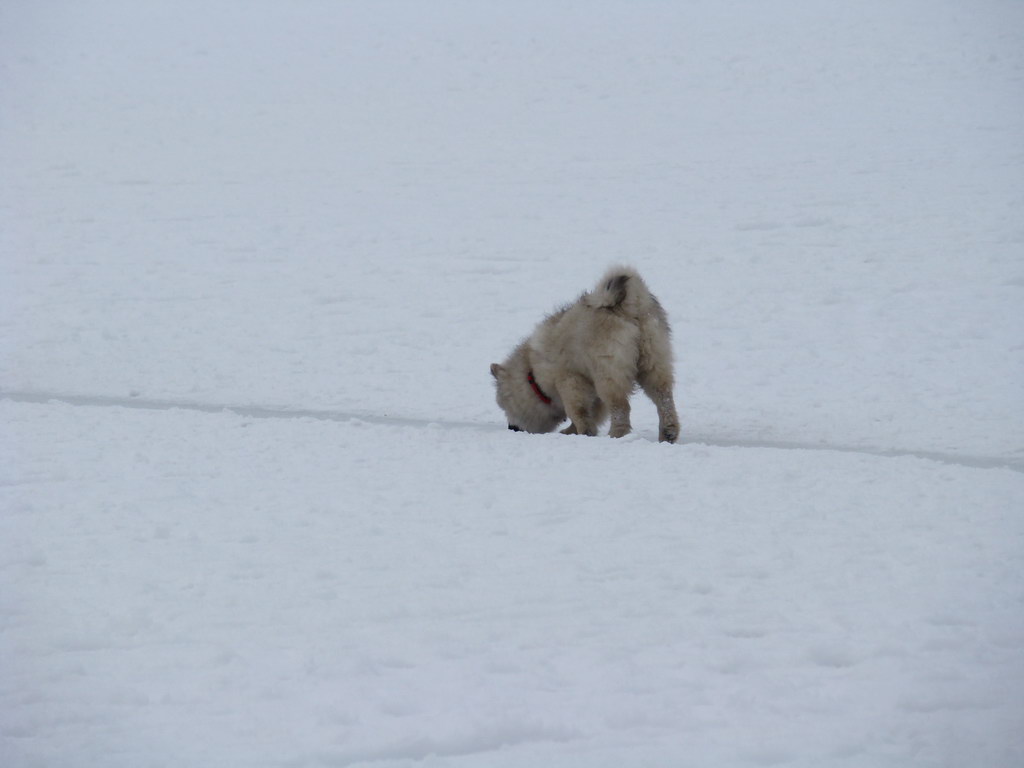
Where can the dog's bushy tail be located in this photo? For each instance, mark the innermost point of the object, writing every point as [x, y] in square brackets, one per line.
[620, 288]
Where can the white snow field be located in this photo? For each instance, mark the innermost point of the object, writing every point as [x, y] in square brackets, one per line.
[258, 506]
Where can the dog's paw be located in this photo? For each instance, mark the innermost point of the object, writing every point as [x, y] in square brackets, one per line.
[669, 433]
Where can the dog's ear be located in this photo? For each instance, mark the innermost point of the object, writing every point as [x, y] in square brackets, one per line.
[496, 370]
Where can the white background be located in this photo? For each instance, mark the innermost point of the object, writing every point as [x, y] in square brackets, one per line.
[330, 218]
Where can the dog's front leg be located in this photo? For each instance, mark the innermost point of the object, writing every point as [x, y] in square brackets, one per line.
[577, 395]
[619, 410]
[617, 401]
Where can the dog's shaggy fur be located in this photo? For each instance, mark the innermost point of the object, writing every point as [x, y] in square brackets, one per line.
[585, 360]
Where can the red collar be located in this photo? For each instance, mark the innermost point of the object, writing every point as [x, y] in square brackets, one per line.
[536, 388]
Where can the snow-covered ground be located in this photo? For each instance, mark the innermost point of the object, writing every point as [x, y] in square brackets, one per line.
[258, 507]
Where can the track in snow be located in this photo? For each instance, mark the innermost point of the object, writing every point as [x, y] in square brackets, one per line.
[1015, 464]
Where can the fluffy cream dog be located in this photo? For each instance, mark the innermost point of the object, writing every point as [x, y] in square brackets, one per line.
[585, 360]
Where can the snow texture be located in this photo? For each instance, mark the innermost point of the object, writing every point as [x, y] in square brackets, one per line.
[257, 504]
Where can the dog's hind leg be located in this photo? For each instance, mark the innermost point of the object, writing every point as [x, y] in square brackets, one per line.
[655, 371]
[668, 419]
[660, 392]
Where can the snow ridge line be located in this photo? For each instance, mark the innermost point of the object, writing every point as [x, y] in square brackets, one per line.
[248, 411]
[270, 412]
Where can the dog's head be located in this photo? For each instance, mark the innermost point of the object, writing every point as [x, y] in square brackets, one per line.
[525, 409]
